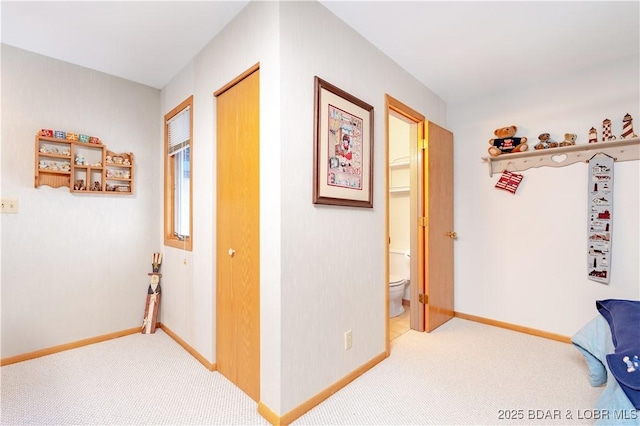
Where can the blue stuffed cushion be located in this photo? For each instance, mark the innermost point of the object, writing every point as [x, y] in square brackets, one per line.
[591, 340]
[623, 317]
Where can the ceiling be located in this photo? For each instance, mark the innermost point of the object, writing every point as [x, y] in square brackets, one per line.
[457, 49]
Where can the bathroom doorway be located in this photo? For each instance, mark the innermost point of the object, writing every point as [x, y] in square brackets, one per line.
[402, 132]
[426, 179]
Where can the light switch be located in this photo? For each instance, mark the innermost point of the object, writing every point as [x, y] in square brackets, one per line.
[9, 205]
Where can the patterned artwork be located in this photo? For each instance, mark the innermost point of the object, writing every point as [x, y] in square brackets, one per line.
[509, 181]
[600, 217]
[345, 149]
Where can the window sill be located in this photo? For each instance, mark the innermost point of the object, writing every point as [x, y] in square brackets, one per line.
[186, 245]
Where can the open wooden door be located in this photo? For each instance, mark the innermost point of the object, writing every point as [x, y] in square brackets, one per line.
[437, 226]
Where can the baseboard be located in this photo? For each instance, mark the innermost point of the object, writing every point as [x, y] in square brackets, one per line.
[67, 346]
[210, 366]
[300, 410]
[268, 414]
[514, 327]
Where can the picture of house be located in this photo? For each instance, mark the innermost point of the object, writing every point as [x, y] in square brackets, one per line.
[599, 168]
[600, 201]
[74, 266]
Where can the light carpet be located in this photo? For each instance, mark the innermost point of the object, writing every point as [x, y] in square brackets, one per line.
[461, 373]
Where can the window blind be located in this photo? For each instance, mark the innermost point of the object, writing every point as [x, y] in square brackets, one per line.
[179, 128]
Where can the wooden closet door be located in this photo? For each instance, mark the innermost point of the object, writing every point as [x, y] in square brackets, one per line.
[238, 234]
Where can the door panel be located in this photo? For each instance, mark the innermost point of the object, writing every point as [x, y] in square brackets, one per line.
[237, 242]
[438, 199]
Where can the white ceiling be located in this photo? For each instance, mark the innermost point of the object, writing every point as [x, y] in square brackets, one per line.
[458, 49]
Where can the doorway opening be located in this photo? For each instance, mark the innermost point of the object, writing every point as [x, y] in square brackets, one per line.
[402, 133]
[403, 185]
[428, 179]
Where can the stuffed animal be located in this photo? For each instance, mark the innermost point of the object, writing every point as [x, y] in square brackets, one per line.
[79, 185]
[545, 141]
[569, 139]
[506, 142]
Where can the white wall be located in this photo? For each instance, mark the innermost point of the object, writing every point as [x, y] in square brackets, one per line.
[311, 289]
[332, 257]
[522, 258]
[74, 266]
[189, 290]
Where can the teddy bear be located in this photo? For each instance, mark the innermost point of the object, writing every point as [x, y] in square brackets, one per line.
[505, 141]
[79, 185]
[545, 141]
[569, 139]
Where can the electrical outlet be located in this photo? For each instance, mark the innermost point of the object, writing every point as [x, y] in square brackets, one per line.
[9, 205]
[347, 340]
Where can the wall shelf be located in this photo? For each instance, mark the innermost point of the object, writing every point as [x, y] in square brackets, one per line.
[399, 189]
[621, 150]
[399, 169]
[104, 172]
[399, 164]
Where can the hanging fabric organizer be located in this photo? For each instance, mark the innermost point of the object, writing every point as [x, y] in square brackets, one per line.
[600, 217]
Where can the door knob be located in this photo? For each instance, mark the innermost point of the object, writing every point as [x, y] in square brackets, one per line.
[231, 252]
[452, 234]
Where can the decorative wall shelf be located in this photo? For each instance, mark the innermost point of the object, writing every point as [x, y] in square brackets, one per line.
[99, 172]
[621, 150]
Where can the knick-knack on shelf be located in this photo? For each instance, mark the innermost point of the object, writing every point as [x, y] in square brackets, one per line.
[627, 128]
[606, 131]
[593, 135]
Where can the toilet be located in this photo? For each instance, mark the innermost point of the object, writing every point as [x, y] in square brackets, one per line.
[399, 273]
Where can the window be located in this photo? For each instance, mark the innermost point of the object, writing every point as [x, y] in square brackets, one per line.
[178, 155]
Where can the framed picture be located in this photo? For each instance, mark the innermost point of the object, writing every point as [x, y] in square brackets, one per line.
[343, 148]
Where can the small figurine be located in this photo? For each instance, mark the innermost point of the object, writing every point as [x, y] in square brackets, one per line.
[569, 139]
[627, 128]
[79, 185]
[606, 131]
[545, 141]
[79, 159]
[95, 186]
[593, 135]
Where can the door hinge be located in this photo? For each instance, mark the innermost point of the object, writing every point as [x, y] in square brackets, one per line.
[423, 298]
[423, 144]
[422, 221]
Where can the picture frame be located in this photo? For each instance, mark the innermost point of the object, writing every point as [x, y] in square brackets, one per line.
[343, 148]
